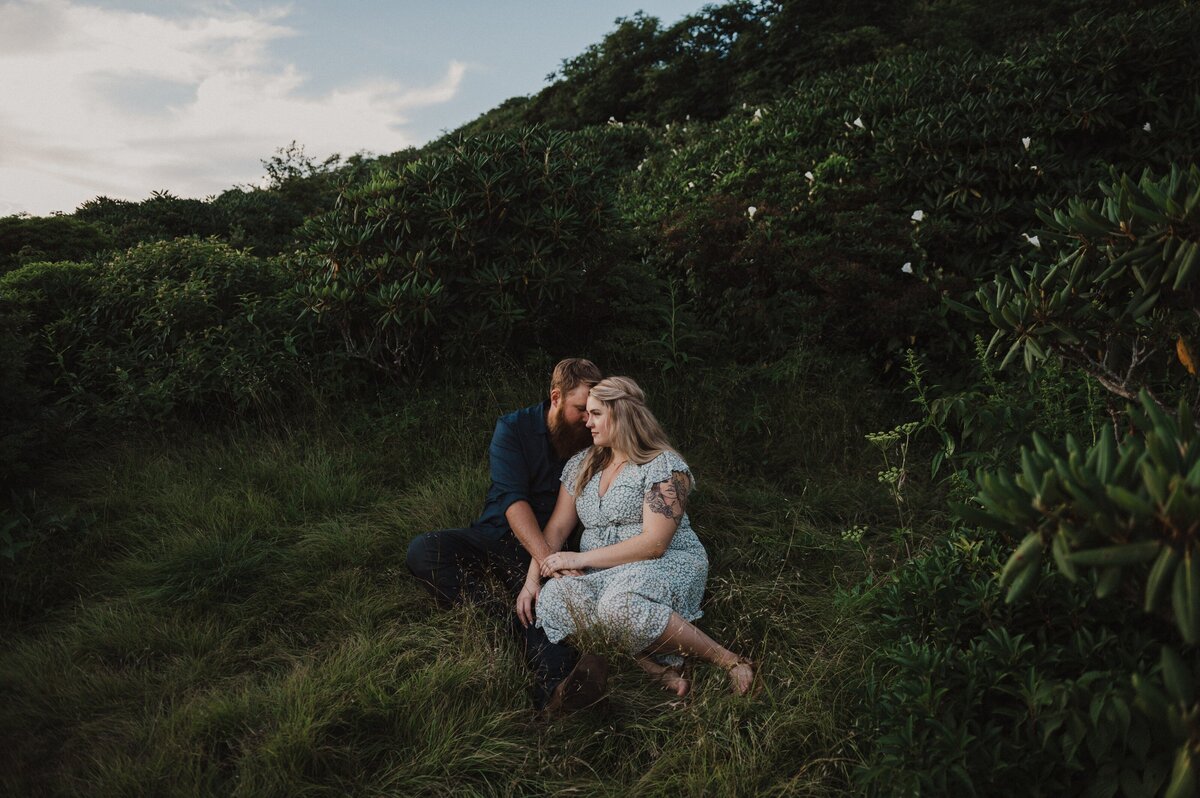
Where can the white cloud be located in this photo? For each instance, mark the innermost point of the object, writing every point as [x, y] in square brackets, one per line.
[99, 101]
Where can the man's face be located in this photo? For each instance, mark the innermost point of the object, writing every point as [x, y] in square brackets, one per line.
[568, 415]
[574, 406]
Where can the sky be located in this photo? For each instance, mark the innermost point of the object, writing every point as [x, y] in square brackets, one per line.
[121, 98]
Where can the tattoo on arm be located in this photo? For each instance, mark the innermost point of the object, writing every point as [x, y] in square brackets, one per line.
[669, 497]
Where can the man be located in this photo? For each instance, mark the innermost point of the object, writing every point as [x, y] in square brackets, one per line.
[528, 451]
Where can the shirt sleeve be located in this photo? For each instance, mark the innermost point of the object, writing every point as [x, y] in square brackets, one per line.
[509, 470]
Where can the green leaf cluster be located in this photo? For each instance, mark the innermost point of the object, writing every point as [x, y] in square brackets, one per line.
[486, 243]
[166, 328]
[969, 695]
[1117, 293]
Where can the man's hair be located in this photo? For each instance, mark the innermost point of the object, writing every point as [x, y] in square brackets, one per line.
[572, 372]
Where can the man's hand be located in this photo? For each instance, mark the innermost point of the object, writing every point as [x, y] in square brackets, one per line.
[562, 561]
[525, 602]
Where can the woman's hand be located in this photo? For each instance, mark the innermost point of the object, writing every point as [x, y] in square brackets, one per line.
[561, 561]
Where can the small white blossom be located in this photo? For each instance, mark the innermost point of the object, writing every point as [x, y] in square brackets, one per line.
[1146, 127]
[1027, 141]
[811, 177]
[691, 184]
[918, 215]
[1032, 240]
[907, 268]
[751, 211]
[858, 123]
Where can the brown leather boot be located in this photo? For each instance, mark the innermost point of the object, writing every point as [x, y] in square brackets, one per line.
[585, 685]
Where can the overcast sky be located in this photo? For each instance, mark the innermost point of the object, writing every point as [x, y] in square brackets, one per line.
[125, 97]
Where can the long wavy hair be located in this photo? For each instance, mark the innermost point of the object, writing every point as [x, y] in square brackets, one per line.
[635, 430]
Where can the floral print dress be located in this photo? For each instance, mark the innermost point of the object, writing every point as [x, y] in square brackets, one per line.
[630, 602]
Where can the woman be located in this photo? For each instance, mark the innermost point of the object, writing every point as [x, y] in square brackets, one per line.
[641, 567]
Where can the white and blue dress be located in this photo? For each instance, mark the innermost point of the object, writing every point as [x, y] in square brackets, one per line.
[632, 602]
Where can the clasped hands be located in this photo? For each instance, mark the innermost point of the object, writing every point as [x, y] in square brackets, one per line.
[563, 563]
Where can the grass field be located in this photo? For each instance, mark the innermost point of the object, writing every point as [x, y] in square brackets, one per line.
[234, 616]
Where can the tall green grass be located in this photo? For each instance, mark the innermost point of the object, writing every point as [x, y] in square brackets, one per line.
[240, 620]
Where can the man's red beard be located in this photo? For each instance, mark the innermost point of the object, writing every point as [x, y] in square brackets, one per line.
[565, 438]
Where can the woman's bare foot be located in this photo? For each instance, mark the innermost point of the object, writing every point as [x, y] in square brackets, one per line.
[671, 679]
[741, 676]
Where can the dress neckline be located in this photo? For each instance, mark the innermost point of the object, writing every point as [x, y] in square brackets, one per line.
[613, 481]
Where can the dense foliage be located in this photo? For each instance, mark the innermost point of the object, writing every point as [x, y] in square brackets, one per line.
[702, 66]
[491, 240]
[164, 329]
[970, 696]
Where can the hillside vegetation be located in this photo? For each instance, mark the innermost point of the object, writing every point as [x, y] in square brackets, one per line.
[913, 287]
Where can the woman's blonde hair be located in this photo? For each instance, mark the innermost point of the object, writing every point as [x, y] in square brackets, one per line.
[634, 428]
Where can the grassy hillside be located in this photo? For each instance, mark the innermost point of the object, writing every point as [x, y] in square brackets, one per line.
[244, 623]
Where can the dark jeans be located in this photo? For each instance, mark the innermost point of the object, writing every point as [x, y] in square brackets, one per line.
[453, 565]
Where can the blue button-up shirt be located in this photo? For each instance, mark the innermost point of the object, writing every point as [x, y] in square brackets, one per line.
[524, 467]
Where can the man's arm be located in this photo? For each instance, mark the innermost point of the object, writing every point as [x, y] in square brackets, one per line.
[510, 473]
[525, 526]
[558, 529]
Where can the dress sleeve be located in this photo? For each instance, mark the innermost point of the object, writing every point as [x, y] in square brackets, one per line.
[571, 471]
[662, 467]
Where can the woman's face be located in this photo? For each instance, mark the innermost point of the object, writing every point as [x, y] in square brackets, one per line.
[599, 421]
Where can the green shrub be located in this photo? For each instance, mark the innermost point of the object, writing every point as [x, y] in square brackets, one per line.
[1117, 290]
[33, 298]
[48, 238]
[485, 243]
[838, 170]
[162, 216]
[186, 325]
[970, 696]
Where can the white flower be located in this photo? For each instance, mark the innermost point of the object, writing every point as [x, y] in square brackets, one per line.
[751, 211]
[811, 177]
[1026, 141]
[1146, 127]
[907, 268]
[1032, 240]
[918, 216]
[691, 184]
[858, 123]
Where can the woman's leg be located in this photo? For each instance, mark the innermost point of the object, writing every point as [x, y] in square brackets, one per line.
[682, 637]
